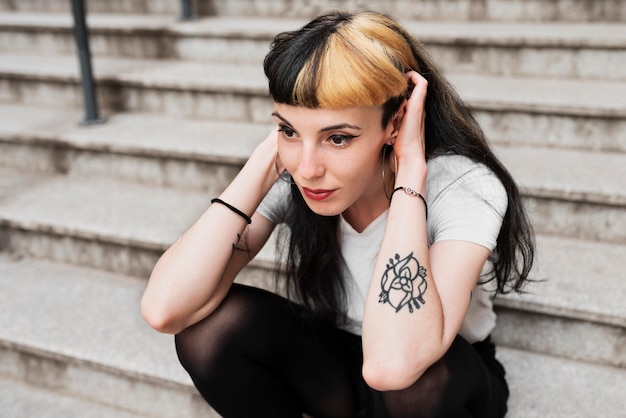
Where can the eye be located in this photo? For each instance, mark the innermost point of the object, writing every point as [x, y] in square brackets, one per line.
[286, 131]
[340, 140]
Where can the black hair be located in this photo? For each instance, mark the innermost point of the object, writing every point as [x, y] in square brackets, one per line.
[314, 265]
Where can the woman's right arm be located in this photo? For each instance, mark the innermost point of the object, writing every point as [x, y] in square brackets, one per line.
[193, 276]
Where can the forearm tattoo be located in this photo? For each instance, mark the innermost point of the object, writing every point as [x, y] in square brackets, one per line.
[403, 283]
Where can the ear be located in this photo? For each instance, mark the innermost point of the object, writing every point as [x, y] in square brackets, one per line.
[393, 128]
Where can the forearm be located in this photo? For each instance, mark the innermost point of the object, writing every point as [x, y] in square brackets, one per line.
[403, 325]
[188, 281]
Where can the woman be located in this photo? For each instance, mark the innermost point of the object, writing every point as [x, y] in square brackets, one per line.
[395, 207]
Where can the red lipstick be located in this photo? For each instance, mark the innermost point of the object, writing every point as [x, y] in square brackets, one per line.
[317, 194]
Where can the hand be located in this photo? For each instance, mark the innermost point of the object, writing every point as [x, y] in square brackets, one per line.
[265, 157]
[410, 142]
[272, 138]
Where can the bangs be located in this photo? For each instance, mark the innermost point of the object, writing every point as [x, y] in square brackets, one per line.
[355, 62]
[349, 72]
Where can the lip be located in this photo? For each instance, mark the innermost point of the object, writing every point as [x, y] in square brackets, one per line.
[317, 194]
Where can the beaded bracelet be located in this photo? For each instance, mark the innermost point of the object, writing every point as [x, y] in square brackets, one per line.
[410, 192]
[234, 209]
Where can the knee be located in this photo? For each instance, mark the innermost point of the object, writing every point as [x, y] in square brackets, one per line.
[193, 347]
[211, 339]
[202, 347]
[444, 389]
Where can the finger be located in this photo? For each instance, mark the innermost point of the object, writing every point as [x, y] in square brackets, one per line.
[278, 164]
[414, 124]
[272, 138]
[417, 99]
[420, 86]
[415, 103]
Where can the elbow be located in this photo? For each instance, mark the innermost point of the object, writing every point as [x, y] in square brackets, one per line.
[397, 370]
[158, 318]
[386, 376]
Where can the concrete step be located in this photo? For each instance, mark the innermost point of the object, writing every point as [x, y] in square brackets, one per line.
[227, 92]
[217, 39]
[459, 10]
[544, 386]
[19, 400]
[84, 337]
[123, 227]
[99, 222]
[571, 193]
[512, 110]
[574, 309]
[124, 364]
[472, 10]
[183, 153]
[571, 50]
[170, 7]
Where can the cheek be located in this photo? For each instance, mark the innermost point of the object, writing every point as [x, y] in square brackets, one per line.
[361, 170]
[288, 156]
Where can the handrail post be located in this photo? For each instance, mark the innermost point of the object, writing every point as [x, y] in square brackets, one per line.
[186, 11]
[84, 57]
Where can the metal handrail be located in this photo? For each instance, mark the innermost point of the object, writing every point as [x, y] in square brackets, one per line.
[186, 11]
[81, 36]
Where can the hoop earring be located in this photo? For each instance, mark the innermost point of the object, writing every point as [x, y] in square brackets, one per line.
[383, 171]
[395, 165]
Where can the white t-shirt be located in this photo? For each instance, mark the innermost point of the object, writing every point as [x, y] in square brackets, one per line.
[466, 202]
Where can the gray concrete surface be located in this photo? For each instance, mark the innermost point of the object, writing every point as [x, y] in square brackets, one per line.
[104, 306]
[184, 113]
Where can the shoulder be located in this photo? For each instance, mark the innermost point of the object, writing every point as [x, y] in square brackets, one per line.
[451, 167]
[274, 205]
[466, 200]
[460, 172]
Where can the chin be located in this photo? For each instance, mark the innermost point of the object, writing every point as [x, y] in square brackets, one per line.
[323, 208]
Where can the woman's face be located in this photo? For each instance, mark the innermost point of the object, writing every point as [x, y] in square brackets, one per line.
[334, 156]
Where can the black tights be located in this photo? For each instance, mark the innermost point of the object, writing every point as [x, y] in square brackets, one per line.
[254, 357]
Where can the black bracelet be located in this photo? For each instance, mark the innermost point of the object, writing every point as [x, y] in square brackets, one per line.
[234, 209]
[410, 192]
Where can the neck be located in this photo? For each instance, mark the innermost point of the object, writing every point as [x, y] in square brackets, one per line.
[372, 204]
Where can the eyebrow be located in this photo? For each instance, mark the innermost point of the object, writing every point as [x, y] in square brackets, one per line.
[325, 129]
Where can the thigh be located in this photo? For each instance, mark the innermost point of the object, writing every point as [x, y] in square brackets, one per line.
[257, 347]
[458, 385]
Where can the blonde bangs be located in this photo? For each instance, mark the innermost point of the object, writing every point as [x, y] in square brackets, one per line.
[354, 68]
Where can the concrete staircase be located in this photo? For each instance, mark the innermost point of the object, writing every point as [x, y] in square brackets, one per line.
[86, 211]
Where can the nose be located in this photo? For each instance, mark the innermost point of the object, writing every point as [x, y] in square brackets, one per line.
[311, 163]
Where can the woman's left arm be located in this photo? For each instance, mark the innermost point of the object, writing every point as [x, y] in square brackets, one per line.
[418, 296]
